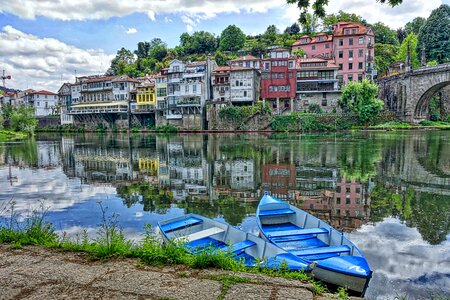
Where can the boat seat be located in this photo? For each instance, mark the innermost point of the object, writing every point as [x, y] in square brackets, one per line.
[199, 234]
[276, 212]
[180, 224]
[321, 250]
[281, 233]
[238, 246]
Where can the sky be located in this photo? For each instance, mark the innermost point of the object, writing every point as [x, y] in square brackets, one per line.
[45, 43]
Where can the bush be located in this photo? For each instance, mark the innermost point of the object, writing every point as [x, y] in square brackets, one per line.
[166, 128]
[22, 118]
[315, 109]
[239, 114]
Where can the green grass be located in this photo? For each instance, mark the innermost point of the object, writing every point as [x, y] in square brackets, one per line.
[342, 293]
[110, 242]
[6, 135]
[439, 124]
[393, 125]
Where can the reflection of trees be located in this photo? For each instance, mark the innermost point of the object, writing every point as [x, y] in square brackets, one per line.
[433, 157]
[24, 152]
[232, 210]
[152, 198]
[358, 159]
[429, 213]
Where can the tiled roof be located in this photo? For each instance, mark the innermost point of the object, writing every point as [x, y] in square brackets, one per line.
[99, 79]
[341, 26]
[313, 40]
[196, 63]
[231, 68]
[42, 92]
[330, 64]
[246, 57]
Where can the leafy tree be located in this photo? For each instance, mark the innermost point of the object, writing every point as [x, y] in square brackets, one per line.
[143, 49]
[401, 56]
[319, 7]
[299, 52]
[2, 121]
[23, 119]
[293, 29]
[220, 58]
[311, 24]
[401, 34]
[269, 37]
[361, 98]
[435, 35]
[123, 57]
[415, 25]
[198, 43]
[385, 55]
[315, 108]
[231, 39]
[329, 20]
[158, 52]
[384, 34]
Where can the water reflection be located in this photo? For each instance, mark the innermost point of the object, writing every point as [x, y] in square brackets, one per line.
[391, 190]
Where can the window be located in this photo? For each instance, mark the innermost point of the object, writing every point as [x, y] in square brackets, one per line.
[237, 82]
[347, 201]
[341, 54]
[290, 75]
[350, 66]
[194, 88]
[338, 200]
[245, 93]
[360, 53]
[186, 89]
[313, 47]
[341, 42]
[291, 64]
[324, 101]
[340, 67]
[266, 65]
[265, 76]
[358, 190]
[360, 77]
[361, 40]
[350, 77]
[350, 41]
[327, 46]
[350, 53]
[360, 65]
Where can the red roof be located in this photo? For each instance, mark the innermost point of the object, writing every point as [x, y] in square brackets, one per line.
[231, 68]
[338, 29]
[43, 92]
[313, 40]
[246, 57]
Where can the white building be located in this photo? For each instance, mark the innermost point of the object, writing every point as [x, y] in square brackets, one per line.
[45, 103]
[65, 101]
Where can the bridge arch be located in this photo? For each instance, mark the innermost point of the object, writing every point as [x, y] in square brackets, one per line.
[421, 107]
[408, 94]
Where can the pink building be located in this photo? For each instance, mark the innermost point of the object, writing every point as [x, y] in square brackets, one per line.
[353, 51]
[278, 80]
[319, 46]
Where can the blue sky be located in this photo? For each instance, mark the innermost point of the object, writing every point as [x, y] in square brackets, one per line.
[42, 42]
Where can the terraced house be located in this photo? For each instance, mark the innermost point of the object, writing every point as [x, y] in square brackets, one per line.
[188, 88]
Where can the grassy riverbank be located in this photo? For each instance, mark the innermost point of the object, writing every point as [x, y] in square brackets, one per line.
[111, 243]
[6, 135]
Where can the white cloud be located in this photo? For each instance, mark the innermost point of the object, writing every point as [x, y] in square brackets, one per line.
[131, 30]
[40, 63]
[100, 9]
[168, 20]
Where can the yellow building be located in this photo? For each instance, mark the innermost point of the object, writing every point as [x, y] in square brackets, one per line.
[146, 95]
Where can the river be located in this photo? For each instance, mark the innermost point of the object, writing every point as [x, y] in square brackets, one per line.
[390, 191]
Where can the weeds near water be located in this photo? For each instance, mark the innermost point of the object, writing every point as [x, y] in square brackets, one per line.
[342, 293]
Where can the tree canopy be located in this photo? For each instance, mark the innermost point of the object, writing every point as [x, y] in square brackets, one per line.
[435, 35]
[231, 39]
[415, 25]
[401, 56]
[385, 55]
[384, 34]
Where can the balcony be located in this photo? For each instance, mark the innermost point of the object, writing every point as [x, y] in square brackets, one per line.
[188, 101]
[142, 108]
[99, 108]
[162, 104]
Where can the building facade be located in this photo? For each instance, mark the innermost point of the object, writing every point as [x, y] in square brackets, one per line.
[353, 46]
[278, 80]
[65, 101]
[45, 103]
[317, 83]
[319, 46]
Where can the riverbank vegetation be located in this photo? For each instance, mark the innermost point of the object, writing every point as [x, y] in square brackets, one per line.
[18, 118]
[110, 242]
[6, 135]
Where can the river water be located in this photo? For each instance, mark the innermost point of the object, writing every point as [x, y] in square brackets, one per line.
[389, 191]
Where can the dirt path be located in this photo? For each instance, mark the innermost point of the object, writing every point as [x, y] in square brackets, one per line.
[37, 273]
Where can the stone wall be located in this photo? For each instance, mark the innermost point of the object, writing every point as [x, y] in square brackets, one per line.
[256, 122]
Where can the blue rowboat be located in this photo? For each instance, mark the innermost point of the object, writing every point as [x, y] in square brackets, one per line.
[333, 257]
[198, 233]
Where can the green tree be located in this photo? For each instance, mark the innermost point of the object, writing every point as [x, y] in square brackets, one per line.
[411, 39]
[269, 37]
[384, 34]
[319, 7]
[23, 119]
[385, 55]
[415, 25]
[293, 29]
[329, 20]
[123, 58]
[435, 35]
[199, 42]
[401, 34]
[231, 39]
[311, 24]
[220, 58]
[361, 98]
[143, 49]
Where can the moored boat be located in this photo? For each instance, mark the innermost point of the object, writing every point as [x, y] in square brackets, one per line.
[333, 257]
[197, 233]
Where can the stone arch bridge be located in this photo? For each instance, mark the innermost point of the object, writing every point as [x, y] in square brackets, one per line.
[408, 94]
